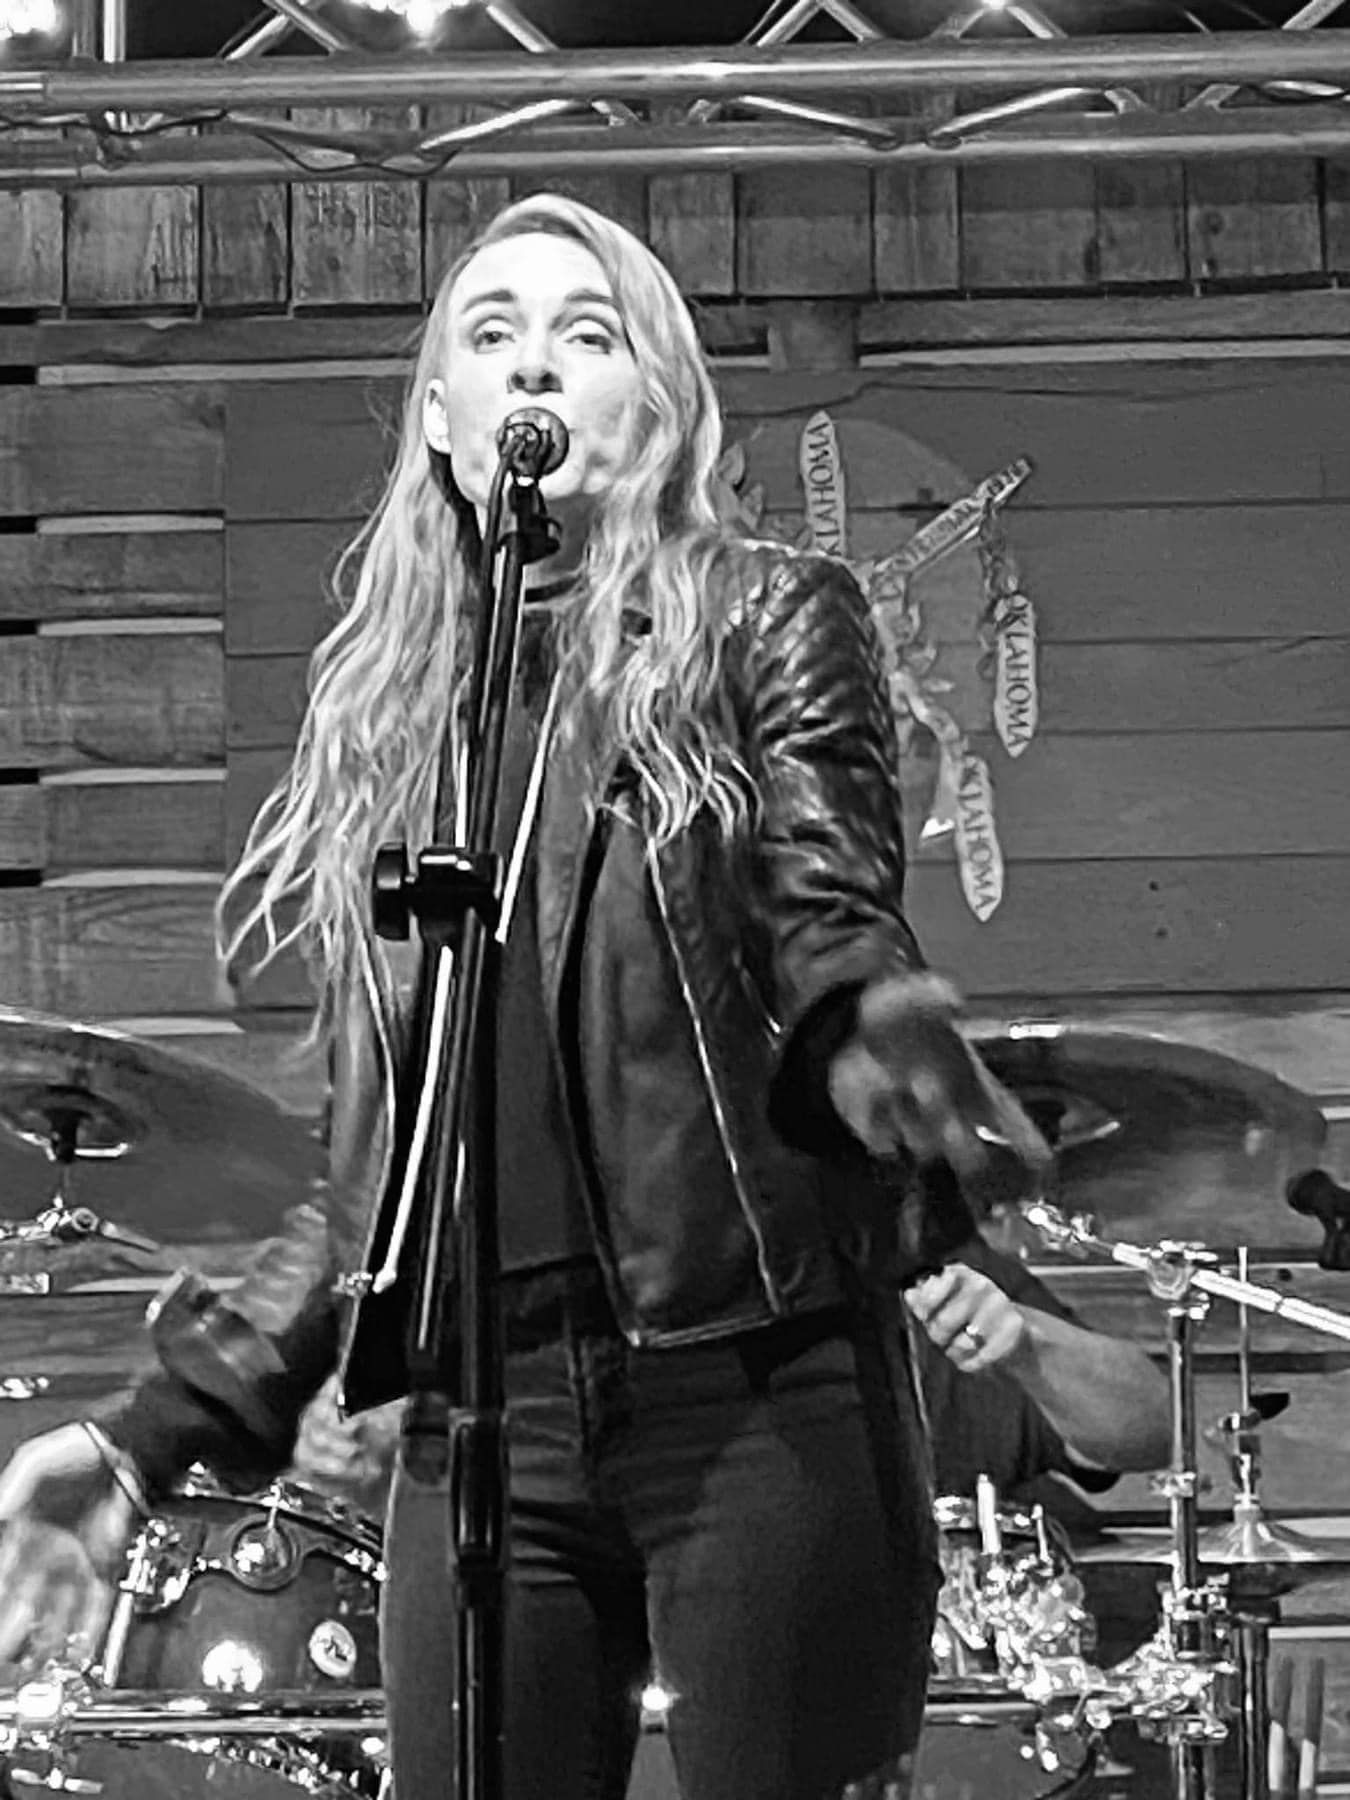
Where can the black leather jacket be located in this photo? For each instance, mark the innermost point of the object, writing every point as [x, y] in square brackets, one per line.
[768, 940]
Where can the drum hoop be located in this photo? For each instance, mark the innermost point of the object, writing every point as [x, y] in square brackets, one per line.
[293, 1500]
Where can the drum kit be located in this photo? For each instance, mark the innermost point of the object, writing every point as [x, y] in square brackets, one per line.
[241, 1656]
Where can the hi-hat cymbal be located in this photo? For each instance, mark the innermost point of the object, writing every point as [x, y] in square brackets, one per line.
[1270, 1362]
[1159, 1138]
[159, 1143]
[1225, 1547]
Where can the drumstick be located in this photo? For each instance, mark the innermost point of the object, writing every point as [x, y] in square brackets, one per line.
[986, 1516]
[1310, 1743]
[1277, 1741]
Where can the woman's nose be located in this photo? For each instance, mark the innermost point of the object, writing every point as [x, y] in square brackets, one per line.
[535, 375]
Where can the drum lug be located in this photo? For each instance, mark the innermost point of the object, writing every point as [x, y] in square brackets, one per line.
[372, 1567]
[163, 1562]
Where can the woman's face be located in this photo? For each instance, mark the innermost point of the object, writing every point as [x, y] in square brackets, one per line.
[533, 322]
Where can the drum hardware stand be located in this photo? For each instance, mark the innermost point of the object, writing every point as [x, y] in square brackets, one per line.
[1251, 1537]
[69, 1125]
[58, 1707]
[1255, 1551]
[160, 1566]
[134, 1585]
[1184, 1664]
[36, 1722]
[1193, 1611]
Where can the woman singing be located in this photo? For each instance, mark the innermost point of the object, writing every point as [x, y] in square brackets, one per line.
[722, 1067]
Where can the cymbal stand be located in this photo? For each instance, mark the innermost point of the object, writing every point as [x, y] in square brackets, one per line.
[1196, 1617]
[1192, 1609]
[1250, 1538]
[1254, 1551]
[1178, 1686]
[1253, 1613]
[73, 1127]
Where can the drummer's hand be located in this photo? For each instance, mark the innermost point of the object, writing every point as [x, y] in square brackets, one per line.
[968, 1317]
[347, 1453]
[908, 1078]
[64, 1526]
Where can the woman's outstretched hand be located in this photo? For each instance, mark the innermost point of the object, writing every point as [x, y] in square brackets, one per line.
[65, 1521]
[908, 1079]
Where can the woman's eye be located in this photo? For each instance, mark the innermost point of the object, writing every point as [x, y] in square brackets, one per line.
[488, 337]
[594, 337]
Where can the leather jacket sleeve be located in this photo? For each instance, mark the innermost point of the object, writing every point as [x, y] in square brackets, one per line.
[829, 846]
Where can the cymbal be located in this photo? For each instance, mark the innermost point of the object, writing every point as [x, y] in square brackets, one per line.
[67, 1347]
[1271, 1362]
[1158, 1137]
[1225, 1547]
[157, 1143]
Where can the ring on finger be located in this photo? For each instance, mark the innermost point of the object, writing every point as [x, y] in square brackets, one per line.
[974, 1335]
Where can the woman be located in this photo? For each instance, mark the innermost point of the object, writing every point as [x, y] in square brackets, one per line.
[719, 1057]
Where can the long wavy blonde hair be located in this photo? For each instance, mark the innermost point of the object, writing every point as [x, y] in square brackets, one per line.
[366, 762]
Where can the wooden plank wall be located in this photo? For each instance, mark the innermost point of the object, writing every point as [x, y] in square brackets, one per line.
[1065, 227]
[195, 395]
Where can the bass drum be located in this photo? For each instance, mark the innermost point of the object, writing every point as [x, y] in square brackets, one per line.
[979, 1747]
[271, 1600]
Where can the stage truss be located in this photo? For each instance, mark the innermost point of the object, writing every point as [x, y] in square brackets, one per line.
[950, 97]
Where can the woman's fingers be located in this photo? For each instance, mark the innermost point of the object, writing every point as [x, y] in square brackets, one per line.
[908, 1078]
[932, 1120]
[64, 1526]
[49, 1591]
[18, 1615]
[88, 1625]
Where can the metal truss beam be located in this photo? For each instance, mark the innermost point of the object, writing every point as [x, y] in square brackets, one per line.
[879, 67]
[767, 101]
[224, 158]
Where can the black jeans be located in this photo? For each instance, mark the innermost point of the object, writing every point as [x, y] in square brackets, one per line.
[748, 1521]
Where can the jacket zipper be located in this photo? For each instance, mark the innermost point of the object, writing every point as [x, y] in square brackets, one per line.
[709, 1081]
[355, 1283]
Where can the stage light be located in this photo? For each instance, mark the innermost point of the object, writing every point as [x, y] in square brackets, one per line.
[423, 18]
[431, 10]
[29, 18]
[656, 1701]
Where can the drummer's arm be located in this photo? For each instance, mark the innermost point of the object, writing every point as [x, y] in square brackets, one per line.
[1102, 1394]
[235, 1369]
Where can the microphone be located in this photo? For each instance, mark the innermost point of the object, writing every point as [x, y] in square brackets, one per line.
[1317, 1195]
[533, 442]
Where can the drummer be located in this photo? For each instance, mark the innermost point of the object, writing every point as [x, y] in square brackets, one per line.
[1017, 1388]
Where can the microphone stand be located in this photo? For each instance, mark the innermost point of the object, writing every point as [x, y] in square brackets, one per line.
[455, 1419]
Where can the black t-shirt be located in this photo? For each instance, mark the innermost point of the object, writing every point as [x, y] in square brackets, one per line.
[539, 1185]
[985, 1423]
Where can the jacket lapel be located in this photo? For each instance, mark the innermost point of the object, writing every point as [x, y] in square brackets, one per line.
[580, 773]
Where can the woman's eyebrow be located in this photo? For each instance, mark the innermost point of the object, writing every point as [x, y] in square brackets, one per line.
[496, 297]
[591, 297]
[507, 297]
